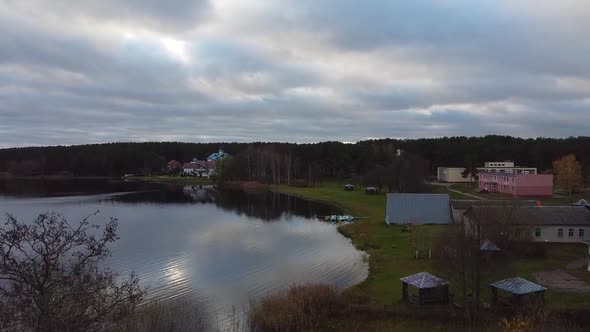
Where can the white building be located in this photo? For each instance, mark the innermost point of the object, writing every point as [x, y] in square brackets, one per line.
[505, 167]
[451, 174]
[564, 224]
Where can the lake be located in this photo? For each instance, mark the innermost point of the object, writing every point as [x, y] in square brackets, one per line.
[220, 248]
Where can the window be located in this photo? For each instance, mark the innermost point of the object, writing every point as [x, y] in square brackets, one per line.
[570, 232]
[537, 232]
[581, 233]
[560, 232]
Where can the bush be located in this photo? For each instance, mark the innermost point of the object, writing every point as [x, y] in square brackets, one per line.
[528, 249]
[171, 316]
[301, 308]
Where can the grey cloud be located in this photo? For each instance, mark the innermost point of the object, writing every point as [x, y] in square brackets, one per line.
[476, 68]
[169, 15]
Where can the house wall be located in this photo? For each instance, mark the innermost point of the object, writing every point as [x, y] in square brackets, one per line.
[517, 184]
[534, 185]
[551, 234]
[509, 170]
[450, 174]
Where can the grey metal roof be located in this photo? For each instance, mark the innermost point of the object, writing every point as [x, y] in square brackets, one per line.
[488, 245]
[581, 202]
[418, 209]
[464, 204]
[542, 215]
[424, 280]
[518, 286]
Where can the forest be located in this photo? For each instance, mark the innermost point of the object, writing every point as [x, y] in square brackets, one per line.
[276, 161]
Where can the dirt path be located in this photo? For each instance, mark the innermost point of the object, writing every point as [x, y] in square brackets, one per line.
[559, 279]
[466, 194]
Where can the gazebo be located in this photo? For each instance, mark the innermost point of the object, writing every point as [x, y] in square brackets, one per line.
[517, 293]
[488, 246]
[431, 289]
[349, 187]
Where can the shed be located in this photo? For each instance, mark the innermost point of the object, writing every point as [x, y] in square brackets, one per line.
[349, 187]
[431, 289]
[418, 209]
[371, 190]
[517, 294]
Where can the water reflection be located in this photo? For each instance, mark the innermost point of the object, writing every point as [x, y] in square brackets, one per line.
[213, 247]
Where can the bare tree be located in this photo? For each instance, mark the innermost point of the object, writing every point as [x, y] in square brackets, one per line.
[459, 254]
[50, 279]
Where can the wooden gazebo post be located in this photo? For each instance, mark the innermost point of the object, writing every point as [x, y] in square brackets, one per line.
[405, 291]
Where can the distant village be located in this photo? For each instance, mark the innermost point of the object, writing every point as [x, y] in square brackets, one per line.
[199, 168]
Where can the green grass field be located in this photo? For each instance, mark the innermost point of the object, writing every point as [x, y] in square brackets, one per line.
[391, 253]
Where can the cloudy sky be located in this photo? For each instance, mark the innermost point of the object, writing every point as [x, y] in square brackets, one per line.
[86, 71]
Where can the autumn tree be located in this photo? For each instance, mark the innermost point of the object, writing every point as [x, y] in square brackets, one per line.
[568, 173]
[50, 278]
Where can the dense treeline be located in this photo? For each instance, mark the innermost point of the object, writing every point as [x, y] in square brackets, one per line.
[326, 159]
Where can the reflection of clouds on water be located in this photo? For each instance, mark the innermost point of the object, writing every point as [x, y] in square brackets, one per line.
[223, 252]
[273, 256]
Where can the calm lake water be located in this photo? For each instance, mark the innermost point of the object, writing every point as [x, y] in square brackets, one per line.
[222, 249]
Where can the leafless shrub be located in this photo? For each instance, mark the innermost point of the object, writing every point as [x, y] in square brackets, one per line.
[50, 279]
[301, 308]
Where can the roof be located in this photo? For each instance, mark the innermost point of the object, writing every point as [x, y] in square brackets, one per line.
[464, 204]
[424, 280]
[418, 209]
[518, 286]
[217, 155]
[488, 245]
[349, 185]
[542, 215]
[581, 202]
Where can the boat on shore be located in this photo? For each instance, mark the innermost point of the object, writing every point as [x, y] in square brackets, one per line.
[340, 218]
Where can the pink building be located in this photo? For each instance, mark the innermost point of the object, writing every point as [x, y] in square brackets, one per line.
[517, 184]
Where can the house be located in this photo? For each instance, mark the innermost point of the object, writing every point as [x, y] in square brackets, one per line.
[516, 184]
[505, 167]
[200, 168]
[545, 223]
[455, 174]
[451, 174]
[418, 209]
[217, 155]
[174, 166]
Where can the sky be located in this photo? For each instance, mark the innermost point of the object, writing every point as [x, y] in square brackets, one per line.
[78, 72]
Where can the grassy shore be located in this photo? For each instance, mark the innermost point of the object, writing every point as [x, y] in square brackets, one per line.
[174, 179]
[390, 248]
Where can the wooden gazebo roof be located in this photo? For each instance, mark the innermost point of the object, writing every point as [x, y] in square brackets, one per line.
[424, 280]
[518, 286]
[488, 245]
